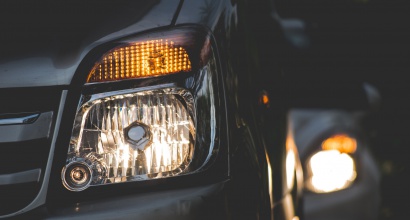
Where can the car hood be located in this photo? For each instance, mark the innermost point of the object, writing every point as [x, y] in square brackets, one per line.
[42, 43]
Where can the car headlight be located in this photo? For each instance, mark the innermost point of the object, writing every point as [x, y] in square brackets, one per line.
[149, 110]
[333, 167]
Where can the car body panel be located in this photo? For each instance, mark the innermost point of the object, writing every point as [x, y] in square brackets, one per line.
[188, 203]
[46, 42]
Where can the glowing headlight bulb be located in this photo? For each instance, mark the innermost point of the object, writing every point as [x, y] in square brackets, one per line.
[80, 173]
[77, 176]
[138, 135]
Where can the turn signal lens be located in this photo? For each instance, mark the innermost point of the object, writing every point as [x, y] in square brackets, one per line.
[340, 142]
[141, 59]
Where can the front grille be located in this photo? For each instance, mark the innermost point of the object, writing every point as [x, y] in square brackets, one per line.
[17, 196]
[24, 156]
[21, 156]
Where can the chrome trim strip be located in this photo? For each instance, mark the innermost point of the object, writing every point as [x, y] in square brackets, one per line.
[24, 132]
[41, 196]
[20, 177]
[20, 120]
[127, 91]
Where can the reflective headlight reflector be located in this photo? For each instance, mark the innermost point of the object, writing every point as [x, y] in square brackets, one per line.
[131, 136]
[340, 142]
[330, 171]
[141, 59]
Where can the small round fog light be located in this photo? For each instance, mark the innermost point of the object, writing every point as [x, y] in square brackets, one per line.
[76, 176]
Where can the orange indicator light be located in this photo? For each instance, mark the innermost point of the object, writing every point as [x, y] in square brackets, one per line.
[141, 59]
[340, 142]
[265, 99]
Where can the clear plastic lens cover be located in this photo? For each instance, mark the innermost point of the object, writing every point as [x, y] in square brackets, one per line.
[134, 136]
[139, 128]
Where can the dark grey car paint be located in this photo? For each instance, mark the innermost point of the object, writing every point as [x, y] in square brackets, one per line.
[43, 43]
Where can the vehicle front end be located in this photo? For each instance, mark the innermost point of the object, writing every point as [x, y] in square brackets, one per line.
[118, 110]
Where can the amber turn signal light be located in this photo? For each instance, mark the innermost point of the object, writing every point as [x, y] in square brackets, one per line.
[139, 60]
[340, 142]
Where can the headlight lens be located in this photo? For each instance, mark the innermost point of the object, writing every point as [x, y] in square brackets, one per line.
[148, 131]
[333, 167]
[133, 136]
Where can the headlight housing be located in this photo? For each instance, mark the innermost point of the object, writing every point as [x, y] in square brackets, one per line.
[150, 109]
[333, 167]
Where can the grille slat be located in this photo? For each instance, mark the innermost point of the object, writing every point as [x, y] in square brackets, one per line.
[25, 148]
[20, 177]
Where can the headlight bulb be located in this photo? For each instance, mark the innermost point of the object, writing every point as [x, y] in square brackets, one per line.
[332, 168]
[139, 135]
[77, 176]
